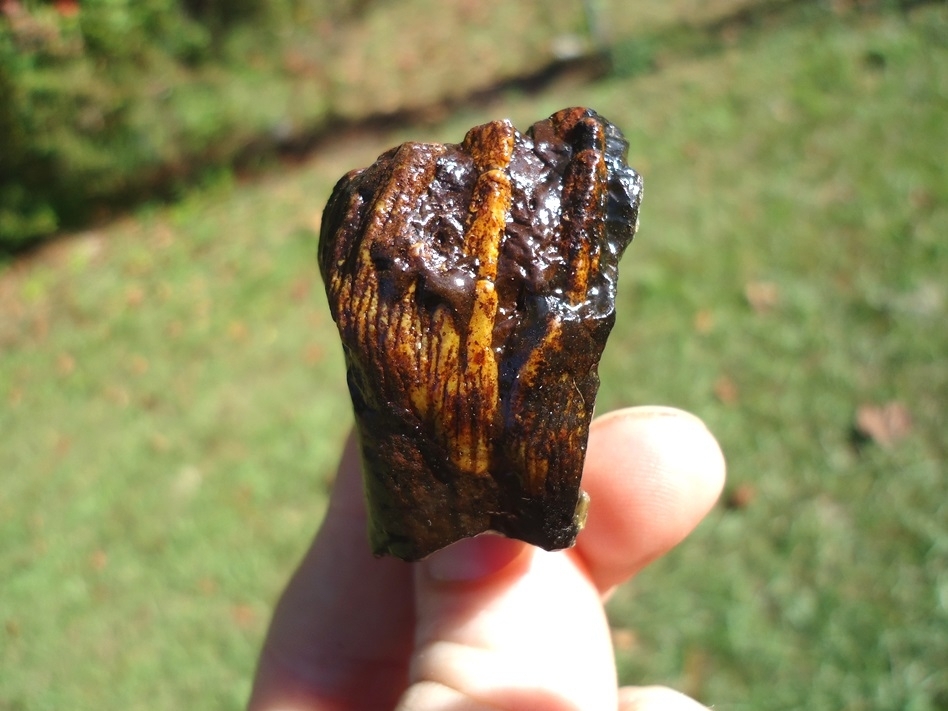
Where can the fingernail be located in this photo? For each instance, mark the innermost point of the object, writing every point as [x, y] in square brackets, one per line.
[472, 559]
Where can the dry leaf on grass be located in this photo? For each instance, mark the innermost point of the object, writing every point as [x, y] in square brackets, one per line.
[624, 639]
[740, 497]
[65, 364]
[725, 390]
[704, 321]
[762, 296]
[884, 424]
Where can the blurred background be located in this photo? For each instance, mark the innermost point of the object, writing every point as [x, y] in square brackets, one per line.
[172, 394]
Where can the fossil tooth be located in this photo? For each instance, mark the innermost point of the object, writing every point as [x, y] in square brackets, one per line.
[473, 286]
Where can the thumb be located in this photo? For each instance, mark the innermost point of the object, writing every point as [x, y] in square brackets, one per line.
[507, 627]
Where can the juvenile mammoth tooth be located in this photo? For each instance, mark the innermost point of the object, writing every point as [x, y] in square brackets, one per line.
[473, 286]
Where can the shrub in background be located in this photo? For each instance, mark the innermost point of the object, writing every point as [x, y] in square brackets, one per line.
[103, 101]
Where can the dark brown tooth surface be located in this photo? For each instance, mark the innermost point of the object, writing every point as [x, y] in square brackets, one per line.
[473, 286]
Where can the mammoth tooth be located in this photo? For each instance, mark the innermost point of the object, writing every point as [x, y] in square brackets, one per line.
[473, 286]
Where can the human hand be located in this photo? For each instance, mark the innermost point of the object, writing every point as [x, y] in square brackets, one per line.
[490, 624]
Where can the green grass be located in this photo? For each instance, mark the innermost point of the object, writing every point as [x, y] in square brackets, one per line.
[173, 396]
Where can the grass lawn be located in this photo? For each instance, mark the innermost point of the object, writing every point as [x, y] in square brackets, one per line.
[173, 397]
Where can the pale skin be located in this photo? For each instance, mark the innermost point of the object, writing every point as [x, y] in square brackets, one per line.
[490, 624]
